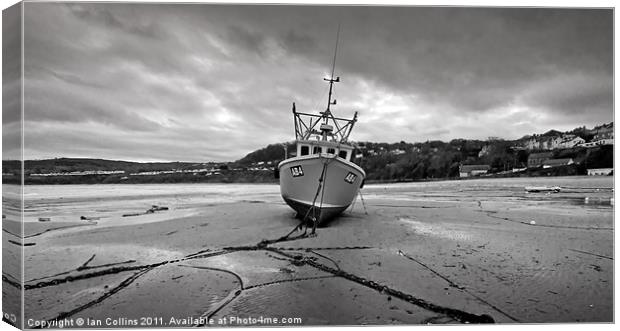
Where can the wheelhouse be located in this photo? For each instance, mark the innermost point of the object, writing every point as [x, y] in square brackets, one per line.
[329, 149]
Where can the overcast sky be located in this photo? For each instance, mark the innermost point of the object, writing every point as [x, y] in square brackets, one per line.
[168, 82]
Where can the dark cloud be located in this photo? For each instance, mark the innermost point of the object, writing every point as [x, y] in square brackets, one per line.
[297, 42]
[127, 22]
[569, 95]
[11, 65]
[247, 39]
[140, 81]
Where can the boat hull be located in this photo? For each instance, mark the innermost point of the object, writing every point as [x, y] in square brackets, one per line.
[299, 184]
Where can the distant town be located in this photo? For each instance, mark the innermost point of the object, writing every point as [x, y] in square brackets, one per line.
[600, 136]
[581, 151]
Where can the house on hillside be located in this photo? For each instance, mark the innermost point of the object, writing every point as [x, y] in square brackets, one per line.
[549, 143]
[604, 142]
[588, 144]
[473, 170]
[606, 131]
[531, 144]
[486, 149]
[603, 135]
[542, 142]
[551, 163]
[537, 159]
[570, 141]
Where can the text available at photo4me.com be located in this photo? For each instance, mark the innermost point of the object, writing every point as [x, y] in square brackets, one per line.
[163, 322]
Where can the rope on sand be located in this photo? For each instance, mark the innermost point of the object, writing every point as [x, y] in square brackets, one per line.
[452, 284]
[320, 189]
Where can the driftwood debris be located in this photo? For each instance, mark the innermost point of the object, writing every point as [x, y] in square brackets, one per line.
[151, 210]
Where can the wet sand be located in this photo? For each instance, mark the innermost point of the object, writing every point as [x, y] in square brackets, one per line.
[441, 252]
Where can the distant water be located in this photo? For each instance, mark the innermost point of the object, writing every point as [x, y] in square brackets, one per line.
[117, 191]
[235, 191]
[68, 202]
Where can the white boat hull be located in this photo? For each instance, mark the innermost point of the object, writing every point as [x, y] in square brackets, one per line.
[299, 184]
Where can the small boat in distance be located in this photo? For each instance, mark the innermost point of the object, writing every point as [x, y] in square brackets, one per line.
[321, 181]
[539, 189]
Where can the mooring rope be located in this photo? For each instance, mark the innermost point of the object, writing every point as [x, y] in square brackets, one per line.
[315, 220]
[363, 202]
[312, 208]
[319, 190]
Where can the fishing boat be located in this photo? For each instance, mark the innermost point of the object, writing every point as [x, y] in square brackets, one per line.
[321, 181]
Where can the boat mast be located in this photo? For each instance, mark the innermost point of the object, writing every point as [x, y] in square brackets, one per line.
[331, 81]
[335, 128]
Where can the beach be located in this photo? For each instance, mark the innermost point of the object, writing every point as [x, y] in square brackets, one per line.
[467, 251]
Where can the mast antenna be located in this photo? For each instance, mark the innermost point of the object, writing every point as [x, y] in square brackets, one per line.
[331, 80]
[335, 50]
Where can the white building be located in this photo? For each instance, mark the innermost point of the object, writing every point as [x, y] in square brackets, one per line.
[570, 141]
[551, 163]
[608, 141]
[473, 170]
[600, 172]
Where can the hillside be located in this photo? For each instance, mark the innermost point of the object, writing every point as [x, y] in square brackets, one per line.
[93, 171]
[273, 153]
[405, 161]
[400, 161]
[67, 165]
[440, 160]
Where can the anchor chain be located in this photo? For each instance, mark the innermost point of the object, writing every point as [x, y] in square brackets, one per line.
[308, 249]
[114, 270]
[458, 315]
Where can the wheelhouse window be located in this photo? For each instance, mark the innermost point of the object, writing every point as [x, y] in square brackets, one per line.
[331, 151]
[343, 154]
[305, 150]
[316, 150]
